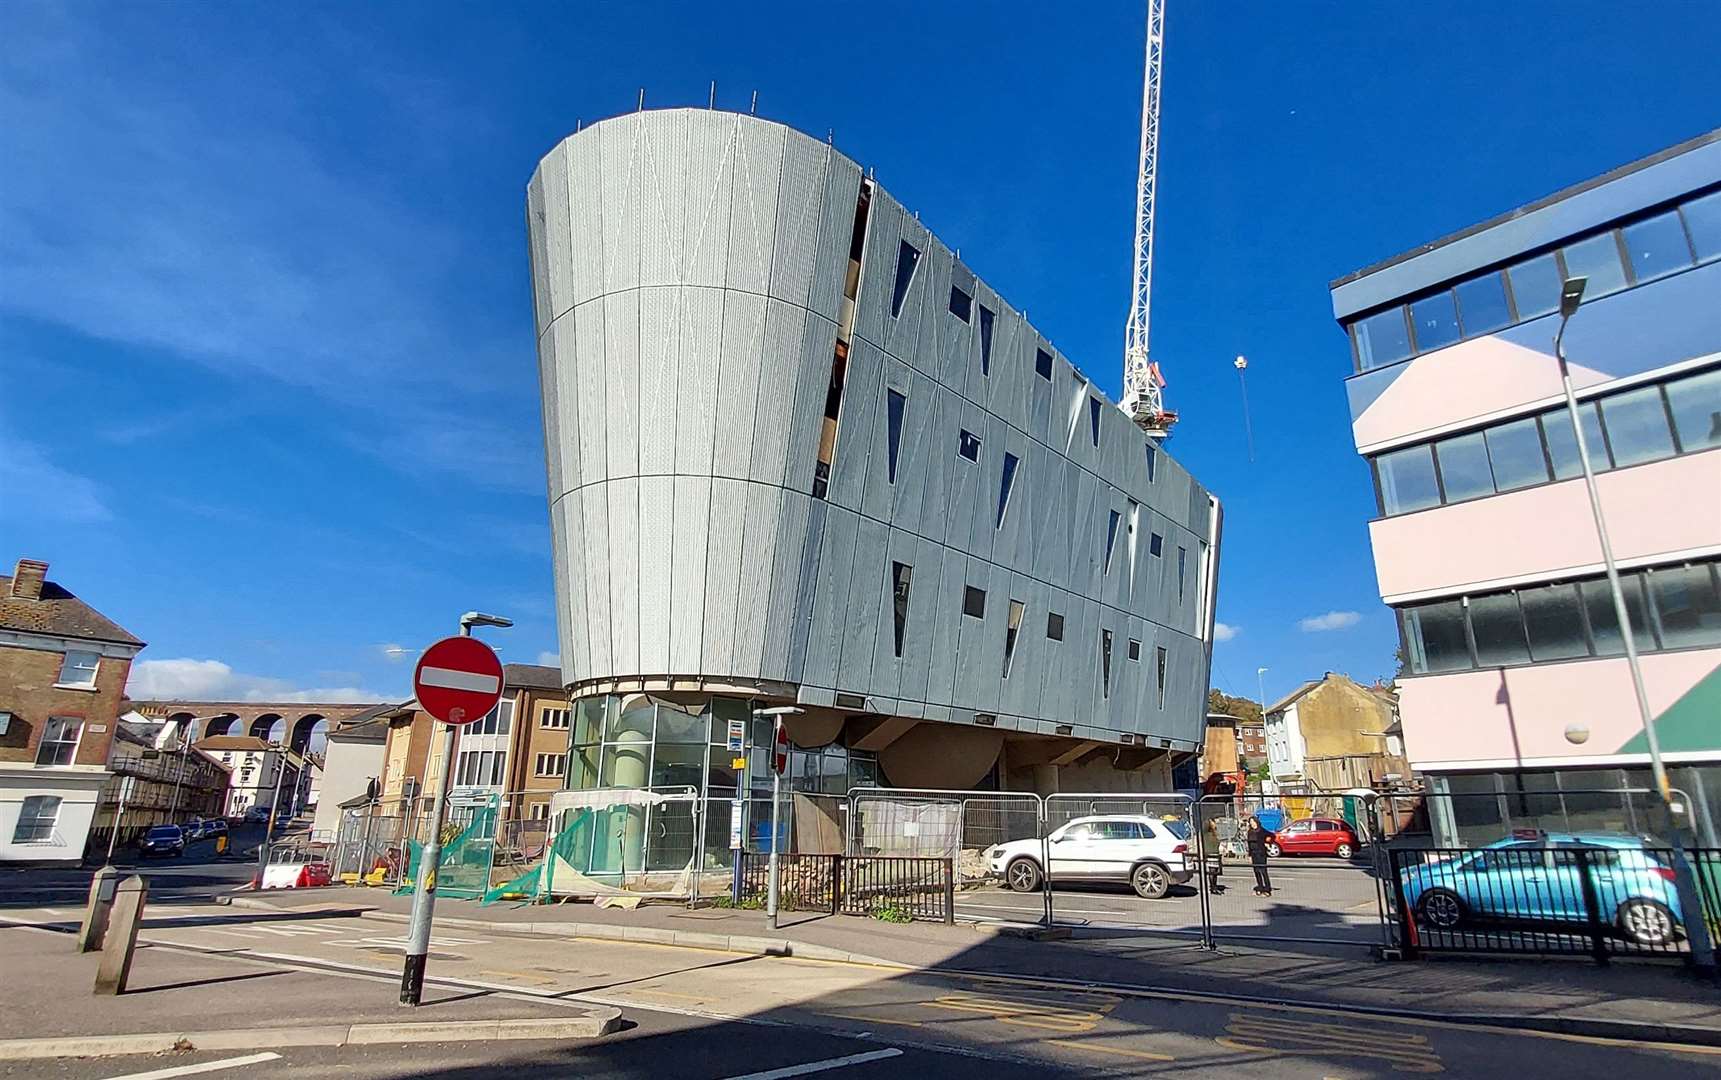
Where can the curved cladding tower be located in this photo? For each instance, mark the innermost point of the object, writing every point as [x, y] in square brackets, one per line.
[798, 453]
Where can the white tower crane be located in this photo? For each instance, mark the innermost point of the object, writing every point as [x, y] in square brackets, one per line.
[1143, 387]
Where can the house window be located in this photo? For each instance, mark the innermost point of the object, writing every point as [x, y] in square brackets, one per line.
[1159, 671]
[986, 318]
[1043, 364]
[59, 742]
[554, 719]
[37, 816]
[961, 304]
[1054, 626]
[894, 404]
[551, 765]
[1010, 463]
[907, 258]
[1135, 650]
[79, 669]
[1105, 663]
[900, 575]
[541, 811]
[1012, 629]
[968, 445]
[974, 602]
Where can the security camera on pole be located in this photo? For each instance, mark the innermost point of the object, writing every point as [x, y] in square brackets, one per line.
[458, 680]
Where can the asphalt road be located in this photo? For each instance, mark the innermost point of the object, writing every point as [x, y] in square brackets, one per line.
[196, 875]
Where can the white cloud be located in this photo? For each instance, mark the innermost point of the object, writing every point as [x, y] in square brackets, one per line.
[394, 652]
[38, 489]
[550, 659]
[1223, 632]
[211, 680]
[1332, 620]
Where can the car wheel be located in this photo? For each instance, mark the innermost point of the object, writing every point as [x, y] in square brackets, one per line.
[1344, 851]
[1441, 909]
[1150, 881]
[1022, 875]
[1273, 849]
[1647, 922]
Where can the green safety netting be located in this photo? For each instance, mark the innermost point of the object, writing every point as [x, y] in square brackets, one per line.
[464, 869]
[558, 860]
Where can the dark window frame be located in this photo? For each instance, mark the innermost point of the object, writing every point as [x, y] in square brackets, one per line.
[970, 604]
[967, 312]
[966, 439]
[1054, 622]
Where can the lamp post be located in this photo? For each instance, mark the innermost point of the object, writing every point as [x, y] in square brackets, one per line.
[776, 713]
[1702, 953]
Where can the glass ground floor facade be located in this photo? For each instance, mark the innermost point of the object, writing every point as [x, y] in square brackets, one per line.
[1475, 808]
[677, 749]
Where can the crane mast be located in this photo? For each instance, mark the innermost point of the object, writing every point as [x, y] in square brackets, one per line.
[1143, 387]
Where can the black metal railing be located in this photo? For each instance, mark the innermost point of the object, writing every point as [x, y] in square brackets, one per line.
[892, 887]
[1572, 898]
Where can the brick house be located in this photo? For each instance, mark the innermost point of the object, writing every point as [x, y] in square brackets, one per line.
[63, 670]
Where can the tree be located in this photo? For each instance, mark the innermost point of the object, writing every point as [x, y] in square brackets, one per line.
[1241, 707]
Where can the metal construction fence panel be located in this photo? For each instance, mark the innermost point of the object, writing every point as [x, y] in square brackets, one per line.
[1603, 898]
[896, 888]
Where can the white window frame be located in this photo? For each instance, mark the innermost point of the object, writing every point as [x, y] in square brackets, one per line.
[36, 821]
[558, 766]
[563, 724]
[68, 665]
[77, 740]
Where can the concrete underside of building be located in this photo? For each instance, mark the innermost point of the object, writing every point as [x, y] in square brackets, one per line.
[798, 454]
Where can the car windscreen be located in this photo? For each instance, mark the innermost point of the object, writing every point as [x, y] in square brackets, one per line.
[164, 832]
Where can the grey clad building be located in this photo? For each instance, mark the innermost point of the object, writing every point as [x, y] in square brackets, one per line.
[799, 454]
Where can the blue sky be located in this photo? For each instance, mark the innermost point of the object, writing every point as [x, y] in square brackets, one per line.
[267, 383]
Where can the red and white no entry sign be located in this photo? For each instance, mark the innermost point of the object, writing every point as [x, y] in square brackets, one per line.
[458, 680]
[780, 749]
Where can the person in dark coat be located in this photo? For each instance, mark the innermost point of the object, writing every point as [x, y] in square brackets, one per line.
[1258, 856]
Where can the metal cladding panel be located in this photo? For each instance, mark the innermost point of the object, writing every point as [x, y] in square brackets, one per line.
[779, 370]
[738, 383]
[1089, 667]
[688, 586]
[584, 156]
[836, 232]
[568, 573]
[900, 547]
[878, 267]
[1087, 535]
[753, 216]
[535, 241]
[758, 558]
[624, 574]
[807, 411]
[800, 213]
[831, 597]
[710, 188]
[659, 346]
[1054, 686]
[558, 231]
[723, 575]
[619, 180]
[1042, 481]
[656, 570]
[700, 345]
[1010, 546]
[780, 615]
[864, 606]
[930, 351]
[594, 509]
[663, 203]
[806, 588]
[947, 472]
[621, 381]
[927, 559]
[859, 428]
[908, 493]
[1041, 405]
[551, 409]
[988, 479]
[946, 620]
[1022, 688]
[901, 334]
[589, 365]
[980, 642]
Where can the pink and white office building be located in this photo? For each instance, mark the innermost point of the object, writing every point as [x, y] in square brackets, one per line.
[1515, 680]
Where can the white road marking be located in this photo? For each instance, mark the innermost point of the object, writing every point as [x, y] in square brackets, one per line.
[449, 679]
[821, 1066]
[229, 933]
[207, 1066]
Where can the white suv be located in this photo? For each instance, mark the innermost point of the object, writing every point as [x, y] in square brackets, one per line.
[1149, 853]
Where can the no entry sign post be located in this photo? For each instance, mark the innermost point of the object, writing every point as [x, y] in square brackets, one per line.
[457, 681]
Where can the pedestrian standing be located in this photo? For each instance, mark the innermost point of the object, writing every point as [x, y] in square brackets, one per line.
[1214, 857]
[1258, 856]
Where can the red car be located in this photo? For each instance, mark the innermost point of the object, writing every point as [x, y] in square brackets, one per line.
[1314, 836]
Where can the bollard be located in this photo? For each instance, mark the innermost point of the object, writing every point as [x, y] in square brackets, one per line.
[115, 968]
[99, 908]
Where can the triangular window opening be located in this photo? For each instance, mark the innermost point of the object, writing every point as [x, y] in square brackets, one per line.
[1159, 671]
[1009, 480]
[894, 405]
[907, 258]
[1111, 539]
[1105, 663]
[986, 318]
[1152, 460]
[1012, 630]
[900, 575]
[1094, 418]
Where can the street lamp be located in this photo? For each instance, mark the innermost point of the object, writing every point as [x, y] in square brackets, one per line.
[776, 713]
[1571, 296]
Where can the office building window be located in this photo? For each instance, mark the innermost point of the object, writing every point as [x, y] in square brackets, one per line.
[1152, 455]
[1435, 320]
[37, 816]
[961, 303]
[900, 576]
[1553, 622]
[1515, 450]
[1563, 444]
[1695, 402]
[59, 745]
[1155, 544]
[1656, 246]
[1159, 672]
[894, 404]
[1687, 605]
[1703, 223]
[1012, 631]
[968, 445]
[1105, 663]
[1498, 626]
[986, 320]
[1111, 539]
[1482, 305]
[1605, 635]
[1094, 419]
[1407, 480]
[1597, 259]
[554, 720]
[1637, 426]
[1435, 636]
[498, 721]
[79, 668]
[1134, 650]
[1535, 286]
[907, 258]
[974, 602]
[1005, 483]
[550, 765]
[1054, 626]
[1182, 561]
[1464, 471]
[1043, 364]
[1382, 338]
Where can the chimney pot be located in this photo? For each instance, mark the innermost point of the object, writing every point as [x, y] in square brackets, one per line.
[27, 579]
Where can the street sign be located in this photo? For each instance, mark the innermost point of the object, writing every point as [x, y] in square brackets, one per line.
[735, 825]
[737, 736]
[458, 680]
[780, 750]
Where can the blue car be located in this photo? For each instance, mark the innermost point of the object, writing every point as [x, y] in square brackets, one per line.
[1537, 881]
